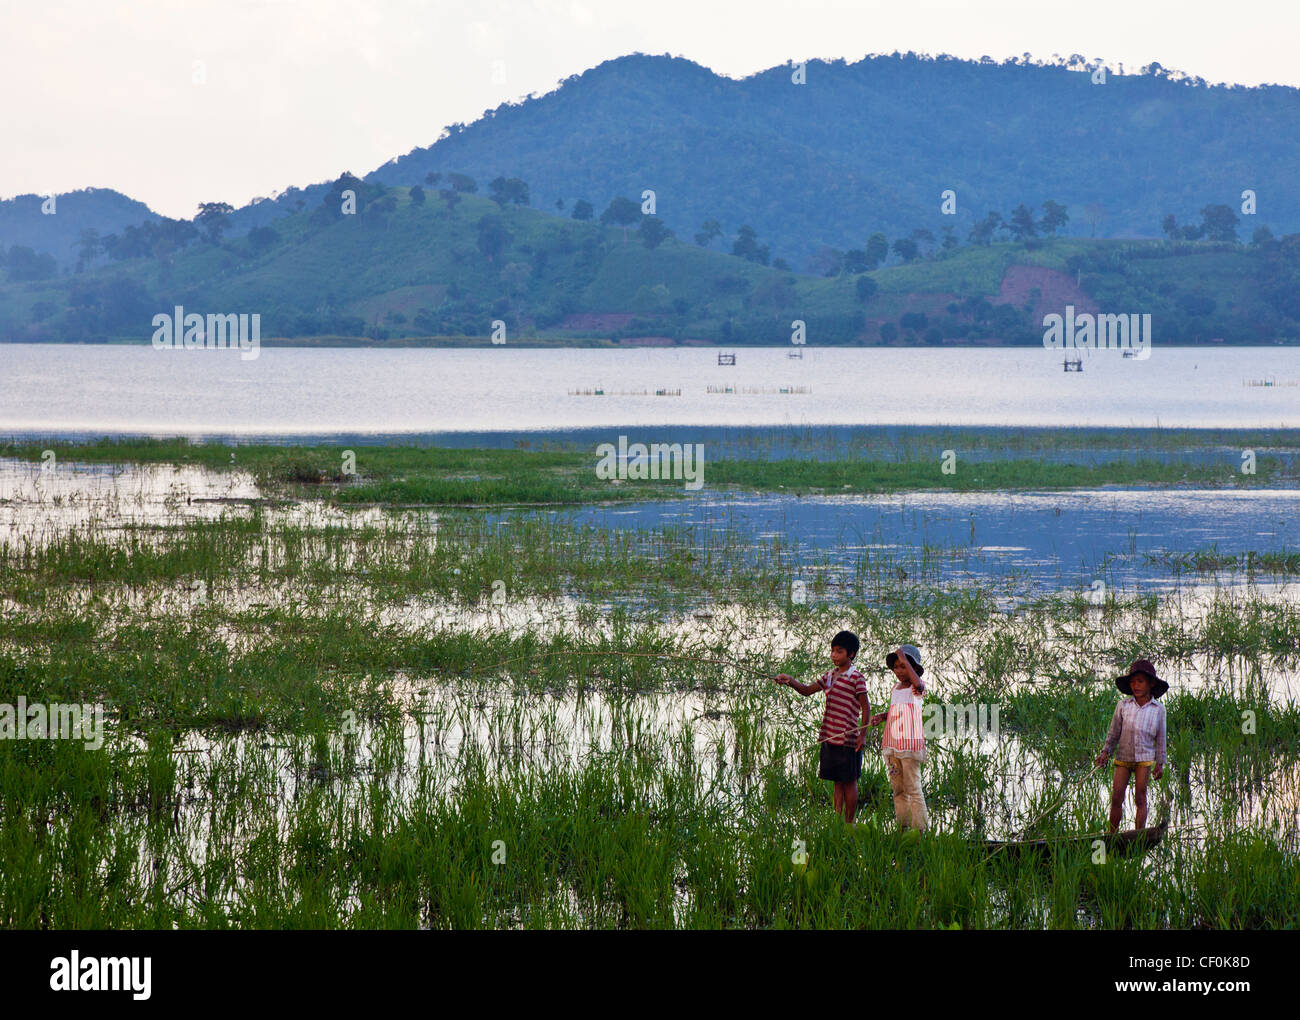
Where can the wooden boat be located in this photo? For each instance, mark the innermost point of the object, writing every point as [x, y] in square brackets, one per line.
[1120, 843]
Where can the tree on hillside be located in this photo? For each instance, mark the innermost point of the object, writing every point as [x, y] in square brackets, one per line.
[877, 250]
[747, 247]
[1279, 276]
[1022, 224]
[924, 239]
[417, 195]
[376, 211]
[582, 210]
[621, 212]
[214, 217]
[949, 241]
[559, 205]
[96, 307]
[826, 261]
[1187, 232]
[334, 202]
[982, 232]
[263, 238]
[905, 248]
[888, 332]
[167, 236]
[25, 265]
[431, 178]
[492, 236]
[1095, 213]
[462, 183]
[1219, 223]
[855, 261]
[776, 292]
[452, 198]
[1055, 216]
[653, 232]
[88, 245]
[511, 190]
[865, 288]
[515, 278]
[709, 229]
[977, 307]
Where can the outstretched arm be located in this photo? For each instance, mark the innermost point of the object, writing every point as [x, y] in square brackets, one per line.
[805, 689]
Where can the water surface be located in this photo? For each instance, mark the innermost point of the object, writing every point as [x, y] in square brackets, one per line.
[79, 389]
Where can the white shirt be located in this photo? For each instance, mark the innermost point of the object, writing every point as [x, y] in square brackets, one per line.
[1137, 732]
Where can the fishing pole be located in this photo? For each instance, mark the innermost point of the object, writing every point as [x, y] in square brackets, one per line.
[1054, 805]
[634, 655]
[735, 663]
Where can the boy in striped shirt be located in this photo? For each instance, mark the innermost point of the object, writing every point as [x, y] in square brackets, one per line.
[847, 711]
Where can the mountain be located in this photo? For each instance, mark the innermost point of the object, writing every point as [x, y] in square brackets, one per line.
[858, 148]
[391, 264]
[810, 182]
[58, 234]
[871, 146]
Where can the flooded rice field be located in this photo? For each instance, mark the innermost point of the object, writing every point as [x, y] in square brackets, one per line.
[335, 716]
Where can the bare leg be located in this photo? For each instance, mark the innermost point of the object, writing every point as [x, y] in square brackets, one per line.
[1141, 774]
[1117, 791]
[839, 798]
[850, 801]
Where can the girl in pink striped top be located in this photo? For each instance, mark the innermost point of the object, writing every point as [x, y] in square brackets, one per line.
[903, 745]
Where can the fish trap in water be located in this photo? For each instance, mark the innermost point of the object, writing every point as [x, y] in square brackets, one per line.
[664, 392]
[760, 390]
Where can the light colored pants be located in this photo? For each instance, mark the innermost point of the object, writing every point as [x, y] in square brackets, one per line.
[909, 801]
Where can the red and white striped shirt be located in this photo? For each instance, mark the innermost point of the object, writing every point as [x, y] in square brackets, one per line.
[843, 712]
[903, 724]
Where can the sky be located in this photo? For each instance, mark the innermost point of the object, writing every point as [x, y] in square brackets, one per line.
[189, 101]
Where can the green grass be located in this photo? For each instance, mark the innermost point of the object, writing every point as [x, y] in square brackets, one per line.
[340, 733]
[985, 460]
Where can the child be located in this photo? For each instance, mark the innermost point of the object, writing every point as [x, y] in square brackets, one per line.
[1137, 736]
[841, 734]
[903, 746]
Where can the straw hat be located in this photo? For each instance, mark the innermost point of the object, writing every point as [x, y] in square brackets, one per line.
[1158, 686]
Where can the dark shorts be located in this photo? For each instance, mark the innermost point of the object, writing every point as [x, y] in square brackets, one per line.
[839, 763]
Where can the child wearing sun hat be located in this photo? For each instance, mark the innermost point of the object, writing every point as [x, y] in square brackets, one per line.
[903, 745]
[1137, 737]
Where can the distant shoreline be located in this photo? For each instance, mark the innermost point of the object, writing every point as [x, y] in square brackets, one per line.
[606, 343]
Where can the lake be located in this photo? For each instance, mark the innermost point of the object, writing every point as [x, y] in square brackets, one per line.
[70, 390]
[1138, 540]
